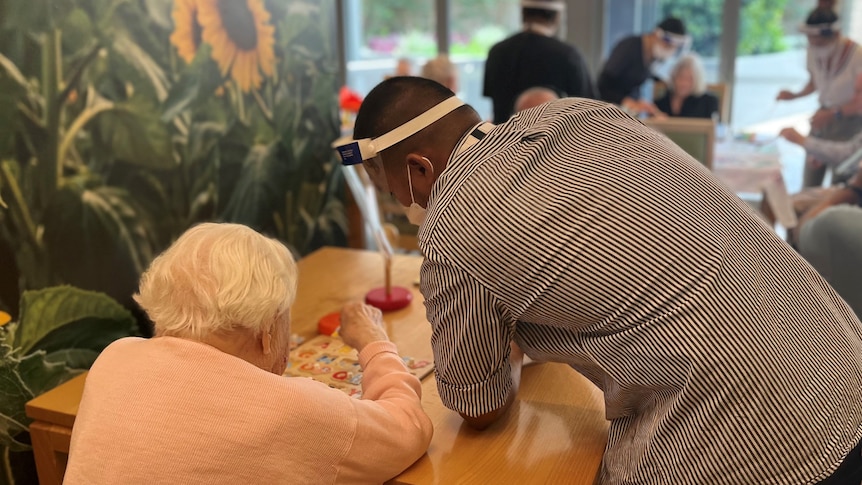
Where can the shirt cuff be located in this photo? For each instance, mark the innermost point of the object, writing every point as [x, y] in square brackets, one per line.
[374, 349]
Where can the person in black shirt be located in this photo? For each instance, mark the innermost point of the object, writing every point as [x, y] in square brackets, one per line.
[534, 57]
[628, 66]
[686, 95]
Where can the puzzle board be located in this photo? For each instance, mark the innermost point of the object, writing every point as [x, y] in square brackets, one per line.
[328, 360]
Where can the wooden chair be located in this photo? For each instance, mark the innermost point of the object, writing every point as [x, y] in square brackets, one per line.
[720, 90]
[694, 135]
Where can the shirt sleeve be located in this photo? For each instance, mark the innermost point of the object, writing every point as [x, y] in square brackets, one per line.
[392, 429]
[580, 82]
[471, 335]
[610, 82]
[832, 153]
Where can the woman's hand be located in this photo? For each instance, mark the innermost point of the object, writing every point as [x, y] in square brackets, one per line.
[361, 325]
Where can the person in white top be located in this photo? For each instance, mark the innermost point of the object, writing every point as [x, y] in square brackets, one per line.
[834, 63]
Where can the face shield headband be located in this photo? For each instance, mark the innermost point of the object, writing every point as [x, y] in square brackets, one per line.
[820, 30]
[552, 6]
[353, 151]
[680, 42]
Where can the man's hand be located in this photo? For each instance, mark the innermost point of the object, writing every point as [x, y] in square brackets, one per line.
[793, 136]
[361, 325]
[516, 358]
[785, 95]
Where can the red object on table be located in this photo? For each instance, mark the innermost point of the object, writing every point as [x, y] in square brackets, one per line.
[398, 298]
[329, 323]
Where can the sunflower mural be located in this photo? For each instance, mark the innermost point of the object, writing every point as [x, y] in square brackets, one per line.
[238, 31]
[188, 33]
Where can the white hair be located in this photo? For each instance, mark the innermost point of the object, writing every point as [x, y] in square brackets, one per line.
[442, 70]
[698, 74]
[218, 277]
[533, 97]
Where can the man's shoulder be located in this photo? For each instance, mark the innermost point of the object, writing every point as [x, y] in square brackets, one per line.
[630, 43]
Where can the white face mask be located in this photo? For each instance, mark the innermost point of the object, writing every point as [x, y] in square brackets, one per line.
[823, 51]
[415, 213]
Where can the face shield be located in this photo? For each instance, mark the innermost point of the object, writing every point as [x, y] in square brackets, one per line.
[367, 150]
[353, 151]
[821, 30]
[820, 35]
[673, 45]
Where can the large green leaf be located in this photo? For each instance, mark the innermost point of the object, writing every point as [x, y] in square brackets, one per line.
[127, 51]
[98, 238]
[74, 358]
[196, 84]
[64, 317]
[132, 132]
[13, 87]
[22, 379]
[260, 189]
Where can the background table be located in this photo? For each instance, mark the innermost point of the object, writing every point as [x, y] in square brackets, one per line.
[555, 431]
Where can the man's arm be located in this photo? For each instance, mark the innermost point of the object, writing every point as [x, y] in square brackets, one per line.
[516, 359]
[785, 95]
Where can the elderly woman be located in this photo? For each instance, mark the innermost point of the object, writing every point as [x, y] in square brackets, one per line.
[204, 401]
[686, 94]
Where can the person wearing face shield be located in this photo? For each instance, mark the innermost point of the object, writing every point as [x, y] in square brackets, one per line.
[834, 63]
[535, 57]
[630, 65]
[573, 233]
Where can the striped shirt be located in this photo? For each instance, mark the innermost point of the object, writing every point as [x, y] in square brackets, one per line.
[589, 239]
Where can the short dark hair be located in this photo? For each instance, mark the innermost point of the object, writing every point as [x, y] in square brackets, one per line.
[672, 25]
[538, 14]
[395, 101]
[821, 16]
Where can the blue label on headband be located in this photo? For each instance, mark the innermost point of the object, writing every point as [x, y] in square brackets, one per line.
[350, 153]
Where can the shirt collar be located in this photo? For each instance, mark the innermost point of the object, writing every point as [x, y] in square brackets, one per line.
[473, 136]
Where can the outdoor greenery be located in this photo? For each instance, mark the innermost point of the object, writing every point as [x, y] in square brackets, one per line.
[761, 24]
[398, 27]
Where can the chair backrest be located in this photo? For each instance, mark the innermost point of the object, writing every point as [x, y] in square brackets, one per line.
[696, 136]
[719, 90]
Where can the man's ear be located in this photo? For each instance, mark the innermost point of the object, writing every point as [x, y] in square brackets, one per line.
[419, 163]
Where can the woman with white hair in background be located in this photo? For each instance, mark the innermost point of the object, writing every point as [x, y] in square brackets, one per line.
[442, 70]
[686, 94]
[204, 401]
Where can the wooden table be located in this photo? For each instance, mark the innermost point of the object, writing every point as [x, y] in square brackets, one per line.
[555, 431]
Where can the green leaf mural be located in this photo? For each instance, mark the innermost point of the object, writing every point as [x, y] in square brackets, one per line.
[122, 124]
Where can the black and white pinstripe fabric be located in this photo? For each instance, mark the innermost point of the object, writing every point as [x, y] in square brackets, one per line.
[591, 240]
